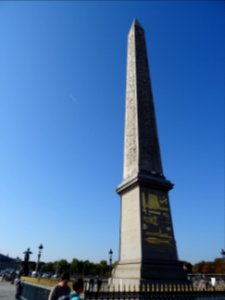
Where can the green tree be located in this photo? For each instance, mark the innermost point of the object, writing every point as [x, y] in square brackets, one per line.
[74, 266]
[61, 266]
[86, 267]
[104, 268]
[48, 267]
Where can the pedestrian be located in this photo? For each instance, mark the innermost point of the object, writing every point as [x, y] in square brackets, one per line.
[91, 284]
[19, 287]
[99, 283]
[61, 291]
[78, 287]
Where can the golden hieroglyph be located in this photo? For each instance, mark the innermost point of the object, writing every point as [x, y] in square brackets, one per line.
[156, 221]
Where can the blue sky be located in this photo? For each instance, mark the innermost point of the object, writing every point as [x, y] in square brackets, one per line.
[62, 101]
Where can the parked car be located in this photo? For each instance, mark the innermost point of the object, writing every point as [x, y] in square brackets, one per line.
[46, 275]
[9, 275]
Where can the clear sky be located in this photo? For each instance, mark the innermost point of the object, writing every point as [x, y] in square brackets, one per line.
[62, 106]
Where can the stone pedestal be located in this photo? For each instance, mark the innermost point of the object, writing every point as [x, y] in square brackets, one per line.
[147, 245]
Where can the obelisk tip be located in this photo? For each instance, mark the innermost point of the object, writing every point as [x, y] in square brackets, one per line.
[136, 23]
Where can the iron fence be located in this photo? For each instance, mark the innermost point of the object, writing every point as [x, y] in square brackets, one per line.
[157, 292]
[144, 292]
[195, 295]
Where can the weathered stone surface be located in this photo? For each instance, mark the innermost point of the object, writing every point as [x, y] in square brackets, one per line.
[130, 226]
[141, 149]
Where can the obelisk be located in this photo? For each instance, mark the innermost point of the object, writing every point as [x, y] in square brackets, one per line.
[147, 246]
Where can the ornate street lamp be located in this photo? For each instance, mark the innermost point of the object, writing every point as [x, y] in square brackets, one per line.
[110, 257]
[40, 248]
[223, 253]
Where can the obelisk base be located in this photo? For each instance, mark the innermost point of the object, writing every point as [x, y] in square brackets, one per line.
[136, 274]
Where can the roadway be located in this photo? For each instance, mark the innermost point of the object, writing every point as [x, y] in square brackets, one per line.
[7, 290]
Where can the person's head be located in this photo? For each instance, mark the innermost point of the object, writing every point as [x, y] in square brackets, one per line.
[78, 285]
[65, 277]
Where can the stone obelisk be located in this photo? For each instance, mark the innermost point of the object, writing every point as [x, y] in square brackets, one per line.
[147, 246]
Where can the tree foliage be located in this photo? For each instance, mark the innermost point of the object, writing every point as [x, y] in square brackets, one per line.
[85, 267]
[215, 267]
[61, 266]
[78, 267]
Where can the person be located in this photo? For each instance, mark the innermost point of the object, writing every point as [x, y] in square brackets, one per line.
[99, 283]
[61, 291]
[91, 284]
[78, 287]
[19, 287]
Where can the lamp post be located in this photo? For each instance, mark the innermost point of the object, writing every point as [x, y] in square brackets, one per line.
[223, 256]
[223, 253]
[110, 258]
[39, 256]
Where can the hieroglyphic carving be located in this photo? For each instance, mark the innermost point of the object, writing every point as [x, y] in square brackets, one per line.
[156, 220]
[131, 138]
[141, 148]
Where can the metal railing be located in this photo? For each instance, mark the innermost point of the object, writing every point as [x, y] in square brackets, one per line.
[156, 292]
